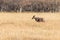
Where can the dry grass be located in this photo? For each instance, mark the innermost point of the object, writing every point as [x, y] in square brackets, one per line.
[21, 26]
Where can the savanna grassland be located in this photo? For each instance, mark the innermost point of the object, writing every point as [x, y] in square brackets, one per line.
[21, 26]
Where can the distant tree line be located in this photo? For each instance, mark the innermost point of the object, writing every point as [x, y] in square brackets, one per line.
[43, 7]
[35, 6]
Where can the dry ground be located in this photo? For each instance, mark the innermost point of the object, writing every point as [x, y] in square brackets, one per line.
[21, 26]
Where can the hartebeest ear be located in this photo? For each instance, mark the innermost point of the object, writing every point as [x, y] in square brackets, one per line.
[33, 16]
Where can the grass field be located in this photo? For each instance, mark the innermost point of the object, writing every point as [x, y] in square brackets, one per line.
[21, 26]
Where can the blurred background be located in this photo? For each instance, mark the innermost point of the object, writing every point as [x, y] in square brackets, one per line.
[30, 5]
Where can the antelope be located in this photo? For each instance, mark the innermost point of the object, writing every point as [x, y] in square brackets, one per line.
[38, 19]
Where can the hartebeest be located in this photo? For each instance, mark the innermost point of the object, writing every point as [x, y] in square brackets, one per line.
[38, 19]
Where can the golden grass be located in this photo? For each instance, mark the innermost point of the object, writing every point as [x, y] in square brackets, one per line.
[21, 26]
